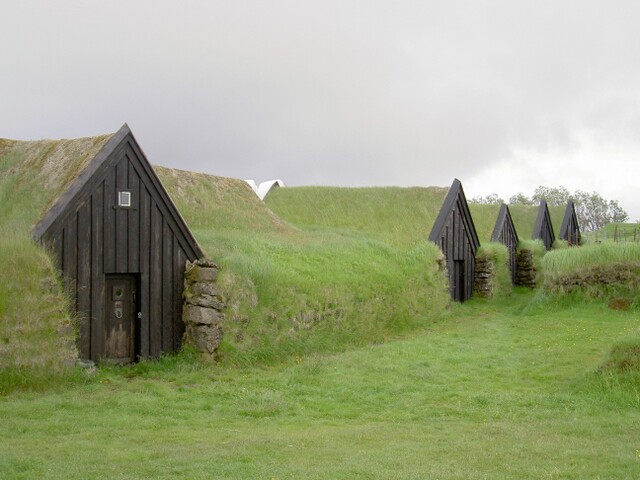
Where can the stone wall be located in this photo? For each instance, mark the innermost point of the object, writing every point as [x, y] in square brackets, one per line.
[485, 274]
[203, 310]
[525, 269]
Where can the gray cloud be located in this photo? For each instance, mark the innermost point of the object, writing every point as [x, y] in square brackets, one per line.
[334, 92]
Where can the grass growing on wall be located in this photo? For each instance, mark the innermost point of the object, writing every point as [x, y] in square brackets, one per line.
[37, 332]
[498, 254]
[300, 288]
[608, 271]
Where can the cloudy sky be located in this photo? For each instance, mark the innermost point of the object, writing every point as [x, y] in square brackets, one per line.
[504, 95]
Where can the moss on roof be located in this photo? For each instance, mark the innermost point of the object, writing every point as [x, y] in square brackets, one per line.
[43, 170]
[212, 202]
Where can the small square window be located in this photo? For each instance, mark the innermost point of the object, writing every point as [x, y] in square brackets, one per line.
[124, 199]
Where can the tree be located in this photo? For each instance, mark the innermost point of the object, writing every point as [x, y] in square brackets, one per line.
[554, 196]
[492, 199]
[593, 211]
[520, 199]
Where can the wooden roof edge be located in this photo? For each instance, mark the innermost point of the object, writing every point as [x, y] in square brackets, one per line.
[454, 191]
[504, 215]
[543, 212]
[173, 209]
[69, 195]
[569, 213]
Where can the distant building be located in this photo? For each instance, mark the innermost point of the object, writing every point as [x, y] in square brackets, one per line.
[455, 234]
[265, 187]
[570, 230]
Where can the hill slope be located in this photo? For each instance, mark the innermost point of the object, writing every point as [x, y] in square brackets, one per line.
[401, 217]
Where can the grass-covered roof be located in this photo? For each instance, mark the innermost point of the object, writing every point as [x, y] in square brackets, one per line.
[395, 215]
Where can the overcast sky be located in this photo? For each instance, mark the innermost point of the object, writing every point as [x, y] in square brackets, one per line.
[504, 95]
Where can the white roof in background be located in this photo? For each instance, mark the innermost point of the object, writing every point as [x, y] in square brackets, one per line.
[265, 187]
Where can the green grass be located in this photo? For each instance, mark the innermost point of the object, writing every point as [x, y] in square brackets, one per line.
[397, 216]
[621, 232]
[574, 259]
[295, 289]
[36, 332]
[607, 271]
[484, 219]
[494, 390]
[498, 254]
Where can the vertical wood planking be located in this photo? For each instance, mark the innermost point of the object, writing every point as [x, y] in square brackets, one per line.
[97, 273]
[145, 228]
[109, 222]
[134, 220]
[179, 261]
[84, 277]
[155, 276]
[122, 218]
[70, 263]
[57, 250]
[167, 288]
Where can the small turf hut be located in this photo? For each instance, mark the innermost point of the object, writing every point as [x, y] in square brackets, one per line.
[121, 246]
[543, 228]
[534, 223]
[494, 224]
[454, 232]
[570, 230]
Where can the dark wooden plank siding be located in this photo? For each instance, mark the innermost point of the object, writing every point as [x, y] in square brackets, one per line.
[167, 288]
[179, 261]
[109, 230]
[84, 276]
[92, 237]
[70, 259]
[135, 222]
[144, 258]
[122, 218]
[155, 276]
[97, 273]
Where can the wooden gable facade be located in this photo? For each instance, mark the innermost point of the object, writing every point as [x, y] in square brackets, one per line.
[121, 246]
[455, 234]
[570, 230]
[543, 228]
[505, 233]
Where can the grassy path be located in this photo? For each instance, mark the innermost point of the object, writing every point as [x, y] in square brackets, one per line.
[488, 392]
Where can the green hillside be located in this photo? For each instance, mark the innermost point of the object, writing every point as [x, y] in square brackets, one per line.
[397, 216]
[484, 219]
[37, 331]
[295, 289]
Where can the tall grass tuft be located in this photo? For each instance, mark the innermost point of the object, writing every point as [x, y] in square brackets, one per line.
[498, 255]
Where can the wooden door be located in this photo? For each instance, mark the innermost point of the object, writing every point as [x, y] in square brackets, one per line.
[459, 280]
[120, 319]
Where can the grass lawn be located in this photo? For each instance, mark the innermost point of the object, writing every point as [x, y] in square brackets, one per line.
[493, 390]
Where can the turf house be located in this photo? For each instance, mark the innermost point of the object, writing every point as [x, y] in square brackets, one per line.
[570, 230]
[543, 229]
[120, 244]
[455, 233]
[494, 223]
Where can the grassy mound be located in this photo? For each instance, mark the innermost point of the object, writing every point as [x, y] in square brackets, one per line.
[484, 219]
[498, 255]
[623, 357]
[401, 217]
[602, 270]
[315, 286]
[37, 333]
